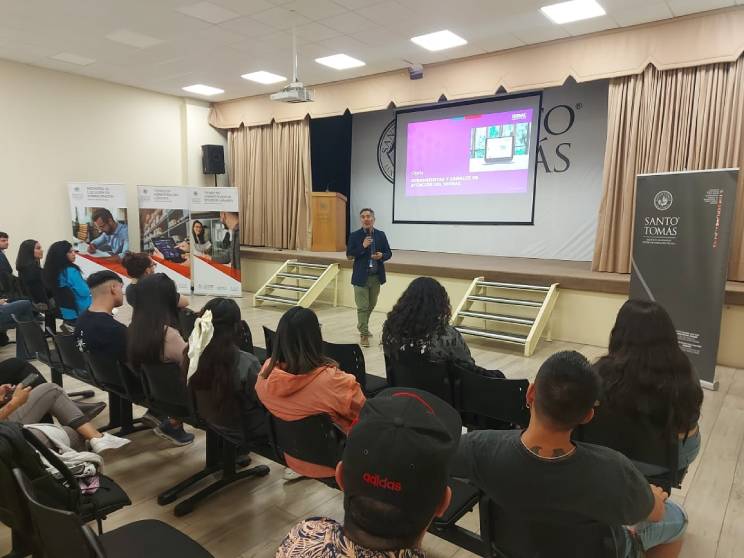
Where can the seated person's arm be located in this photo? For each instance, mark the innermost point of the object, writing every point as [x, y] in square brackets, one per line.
[77, 284]
[660, 498]
[183, 301]
[20, 396]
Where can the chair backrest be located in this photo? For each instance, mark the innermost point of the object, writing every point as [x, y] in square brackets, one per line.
[61, 532]
[166, 390]
[411, 369]
[105, 371]
[268, 339]
[637, 439]
[246, 338]
[68, 350]
[492, 398]
[350, 359]
[186, 320]
[64, 297]
[512, 535]
[34, 339]
[314, 439]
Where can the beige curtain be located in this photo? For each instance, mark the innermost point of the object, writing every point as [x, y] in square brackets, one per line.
[686, 119]
[271, 166]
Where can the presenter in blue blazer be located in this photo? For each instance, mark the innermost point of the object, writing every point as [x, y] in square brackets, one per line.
[370, 249]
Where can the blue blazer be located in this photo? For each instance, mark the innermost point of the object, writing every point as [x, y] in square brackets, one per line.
[361, 255]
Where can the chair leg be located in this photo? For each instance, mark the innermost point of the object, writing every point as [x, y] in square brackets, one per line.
[127, 423]
[114, 407]
[85, 394]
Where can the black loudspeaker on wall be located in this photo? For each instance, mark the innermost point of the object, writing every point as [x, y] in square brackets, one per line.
[213, 159]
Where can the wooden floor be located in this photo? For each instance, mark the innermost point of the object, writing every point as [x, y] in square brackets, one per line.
[251, 518]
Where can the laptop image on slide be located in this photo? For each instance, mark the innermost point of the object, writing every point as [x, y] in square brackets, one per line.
[168, 248]
[499, 150]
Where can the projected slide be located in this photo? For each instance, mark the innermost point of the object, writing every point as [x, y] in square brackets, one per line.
[467, 163]
[466, 155]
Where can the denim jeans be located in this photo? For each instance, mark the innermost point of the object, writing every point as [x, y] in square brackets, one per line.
[23, 310]
[668, 530]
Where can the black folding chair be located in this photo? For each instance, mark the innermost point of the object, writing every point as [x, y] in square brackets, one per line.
[638, 440]
[351, 360]
[71, 357]
[38, 346]
[63, 534]
[510, 534]
[268, 340]
[409, 369]
[166, 392]
[490, 403]
[314, 439]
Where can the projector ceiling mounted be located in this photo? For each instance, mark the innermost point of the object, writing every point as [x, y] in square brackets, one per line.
[295, 92]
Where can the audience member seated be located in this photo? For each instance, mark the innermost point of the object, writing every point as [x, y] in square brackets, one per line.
[153, 338]
[139, 265]
[646, 375]
[394, 474]
[5, 266]
[28, 405]
[541, 472]
[298, 381]
[419, 323]
[28, 264]
[65, 280]
[15, 370]
[97, 330]
[23, 311]
[223, 377]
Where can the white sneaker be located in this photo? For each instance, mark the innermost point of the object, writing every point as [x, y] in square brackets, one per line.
[290, 475]
[107, 442]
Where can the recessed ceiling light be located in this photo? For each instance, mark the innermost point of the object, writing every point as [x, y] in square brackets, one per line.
[574, 10]
[340, 62]
[73, 59]
[131, 38]
[200, 89]
[439, 40]
[264, 77]
[208, 12]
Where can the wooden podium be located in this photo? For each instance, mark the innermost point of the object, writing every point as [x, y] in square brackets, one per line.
[329, 222]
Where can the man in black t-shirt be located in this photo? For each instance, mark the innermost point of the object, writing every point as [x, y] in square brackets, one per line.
[541, 473]
[97, 330]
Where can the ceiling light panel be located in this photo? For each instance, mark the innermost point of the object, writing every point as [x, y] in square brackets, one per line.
[201, 89]
[264, 77]
[132, 38]
[439, 40]
[573, 10]
[71, 58]
[208, 12]
[340, 62]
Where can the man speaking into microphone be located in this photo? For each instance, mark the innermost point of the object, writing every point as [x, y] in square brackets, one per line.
[369, 248]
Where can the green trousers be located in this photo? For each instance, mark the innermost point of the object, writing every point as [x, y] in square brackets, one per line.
[366, 300]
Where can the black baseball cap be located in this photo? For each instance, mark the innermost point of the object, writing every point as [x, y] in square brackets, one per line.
[399, 451]
[101, 277]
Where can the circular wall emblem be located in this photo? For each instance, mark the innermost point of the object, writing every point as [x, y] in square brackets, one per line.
[663, 200]
[386, 152]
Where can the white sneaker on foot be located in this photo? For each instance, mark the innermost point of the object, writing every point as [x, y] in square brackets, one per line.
[107, 442]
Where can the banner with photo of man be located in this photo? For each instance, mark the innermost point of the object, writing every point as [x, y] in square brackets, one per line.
[100, 229]
[164, 225]
[214, 241]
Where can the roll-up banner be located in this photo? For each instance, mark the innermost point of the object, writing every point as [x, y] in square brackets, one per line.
[681, 239]
[99, 226]
[164, 231]
[215, 241]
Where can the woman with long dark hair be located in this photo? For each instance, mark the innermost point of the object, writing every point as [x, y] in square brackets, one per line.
[419, 322]
[646, 375]
[222, 376]
[152, 337]
[299, 381]
[200, 246]
[65, 281]
[28, 264]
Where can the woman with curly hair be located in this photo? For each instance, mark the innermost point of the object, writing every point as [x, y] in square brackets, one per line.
[646, 376]
[419, 322]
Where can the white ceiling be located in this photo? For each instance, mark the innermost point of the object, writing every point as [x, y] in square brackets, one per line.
[163, 45]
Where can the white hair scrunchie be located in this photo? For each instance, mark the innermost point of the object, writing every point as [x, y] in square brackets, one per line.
[198, 340]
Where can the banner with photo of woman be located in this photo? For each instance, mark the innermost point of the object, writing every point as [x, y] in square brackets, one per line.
[164, 225]
[100, 229]
[214, 241]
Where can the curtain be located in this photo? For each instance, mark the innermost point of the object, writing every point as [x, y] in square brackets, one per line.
[685, 119]
[271, 166]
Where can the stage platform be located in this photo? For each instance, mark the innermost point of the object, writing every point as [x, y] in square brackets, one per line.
[571, 275]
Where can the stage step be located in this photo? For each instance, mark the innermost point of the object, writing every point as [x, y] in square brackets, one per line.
[497, 335]
[305, 264]
[279, 299]
[495, 285]
[497, 318]
[308, 293]
[297, 275]
[288, 287]
[500, 300]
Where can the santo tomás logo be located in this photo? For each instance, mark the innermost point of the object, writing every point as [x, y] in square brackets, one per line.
[663, 200]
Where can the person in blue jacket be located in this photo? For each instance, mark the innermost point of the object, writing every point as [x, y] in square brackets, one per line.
[370, 249]
[64, 279]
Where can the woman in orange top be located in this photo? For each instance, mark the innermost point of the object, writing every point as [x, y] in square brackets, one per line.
[298, 381]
